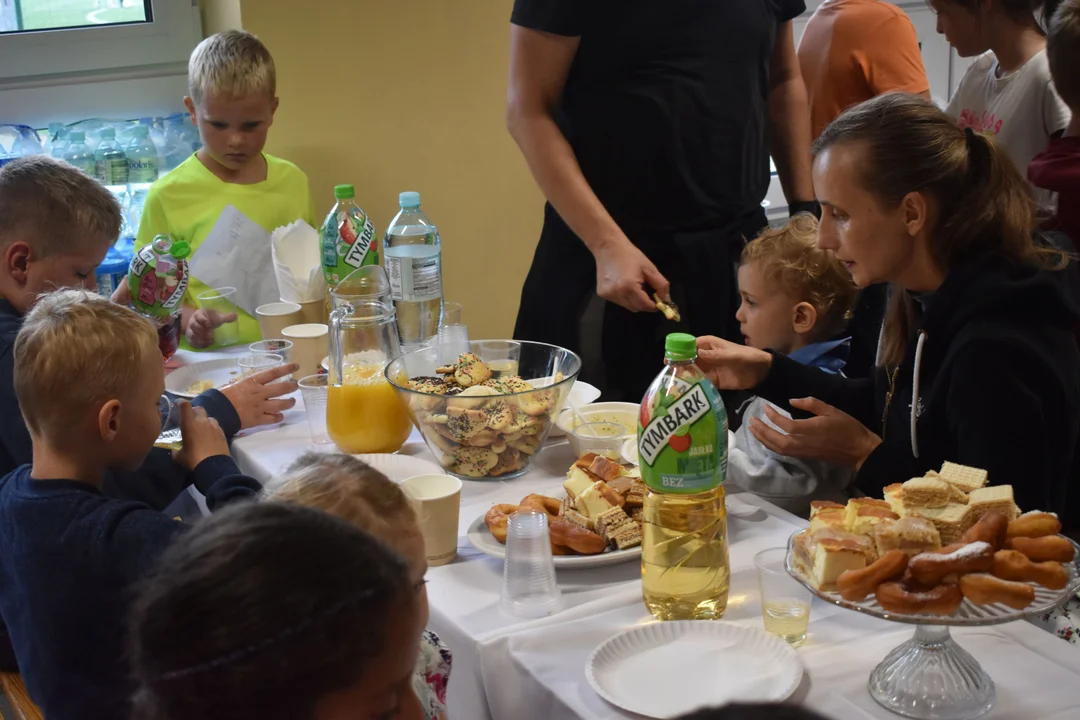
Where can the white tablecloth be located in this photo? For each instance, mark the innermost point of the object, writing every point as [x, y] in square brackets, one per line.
[534, 670]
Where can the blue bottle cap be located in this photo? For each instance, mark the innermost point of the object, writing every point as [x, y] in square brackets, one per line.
[409, 200]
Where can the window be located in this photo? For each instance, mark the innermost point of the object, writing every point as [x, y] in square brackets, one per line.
[44, 42]
[38, 15]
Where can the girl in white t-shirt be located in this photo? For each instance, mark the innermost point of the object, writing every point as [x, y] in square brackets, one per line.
[1007, 92]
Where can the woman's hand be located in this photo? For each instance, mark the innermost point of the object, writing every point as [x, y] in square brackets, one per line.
[259, 399]
[731, 366]
[832, 435]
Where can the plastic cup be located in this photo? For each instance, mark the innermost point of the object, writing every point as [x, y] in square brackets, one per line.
[170, 437]
[275, 317]
[529, 588]
[314, 389]
[452, 341]
[257, 362]
[785, 603]
[311, 343]
[602, 438]
[222, 302]
[278, 347]
[451, 313]
[437, 501]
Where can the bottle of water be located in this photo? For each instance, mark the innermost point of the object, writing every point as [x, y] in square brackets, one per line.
[142, 157]
[53, 140]
[413, 262]
[61, 140]
[79, 155]
[112, 163]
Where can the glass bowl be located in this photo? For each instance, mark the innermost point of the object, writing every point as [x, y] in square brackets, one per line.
[497, 428]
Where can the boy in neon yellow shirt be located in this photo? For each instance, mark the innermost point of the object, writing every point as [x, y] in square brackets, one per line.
[231, 98]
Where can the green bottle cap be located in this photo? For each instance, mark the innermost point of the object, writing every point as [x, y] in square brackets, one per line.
[180, 249]
[344, 192]
[680, 346]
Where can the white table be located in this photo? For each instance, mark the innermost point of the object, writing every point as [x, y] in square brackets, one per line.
[508, 668]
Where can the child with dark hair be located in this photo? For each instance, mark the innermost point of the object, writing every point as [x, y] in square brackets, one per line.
[352, 490]
[756, 711]
[272, 611]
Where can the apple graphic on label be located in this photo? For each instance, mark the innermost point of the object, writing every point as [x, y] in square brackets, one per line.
[680, 443]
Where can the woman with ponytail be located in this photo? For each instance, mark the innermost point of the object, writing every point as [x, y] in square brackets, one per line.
[977, 362]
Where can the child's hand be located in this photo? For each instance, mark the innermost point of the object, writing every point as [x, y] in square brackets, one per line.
[254, 398]
[200, 328]
[730, 366]
[203, 437]
[122, 294]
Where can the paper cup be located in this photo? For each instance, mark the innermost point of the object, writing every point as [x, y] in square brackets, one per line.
[313, 311]
[275, 317]
[311, 343]
[437, 501]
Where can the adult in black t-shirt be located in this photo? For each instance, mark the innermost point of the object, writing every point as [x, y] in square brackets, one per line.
[648, 127]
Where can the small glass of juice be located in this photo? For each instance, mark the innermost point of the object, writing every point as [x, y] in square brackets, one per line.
[785, 604]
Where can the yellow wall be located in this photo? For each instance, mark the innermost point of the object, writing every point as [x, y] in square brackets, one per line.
[394, 95]
[219, 15]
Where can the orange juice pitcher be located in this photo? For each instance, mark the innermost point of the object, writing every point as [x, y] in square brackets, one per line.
[363, 413]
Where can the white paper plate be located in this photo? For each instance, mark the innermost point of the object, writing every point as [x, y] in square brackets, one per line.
[221, 372]
[582, 393]
[482, 539]
[667, 669]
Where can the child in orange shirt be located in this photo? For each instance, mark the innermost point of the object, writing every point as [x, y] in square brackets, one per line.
[853, 50]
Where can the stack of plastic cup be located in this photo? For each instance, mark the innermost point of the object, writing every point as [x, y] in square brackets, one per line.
[529, 587]
[314, 390]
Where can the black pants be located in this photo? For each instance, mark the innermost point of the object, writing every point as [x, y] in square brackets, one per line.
[562, 281]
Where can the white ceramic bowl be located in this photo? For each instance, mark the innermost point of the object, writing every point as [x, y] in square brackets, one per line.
[626, 414]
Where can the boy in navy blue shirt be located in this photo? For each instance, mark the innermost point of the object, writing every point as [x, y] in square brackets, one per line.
[88, 379]
[56, 224]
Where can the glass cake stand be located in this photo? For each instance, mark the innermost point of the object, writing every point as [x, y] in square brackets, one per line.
[931, 677]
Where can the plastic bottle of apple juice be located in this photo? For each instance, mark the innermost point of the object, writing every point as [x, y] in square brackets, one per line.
[682, 448]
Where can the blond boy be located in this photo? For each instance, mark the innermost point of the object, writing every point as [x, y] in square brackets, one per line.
[232, 99]
[88, 379]
[56, 224]
[796, 300]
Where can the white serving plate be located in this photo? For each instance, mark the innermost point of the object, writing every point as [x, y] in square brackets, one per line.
[221, 372]
[667, 669]
[482, 539]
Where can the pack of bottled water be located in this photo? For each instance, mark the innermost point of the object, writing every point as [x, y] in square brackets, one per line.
[126, 156]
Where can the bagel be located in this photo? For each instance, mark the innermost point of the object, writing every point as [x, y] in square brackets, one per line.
[576, 538]
[547, 505]
[914, 599]
[496, 519]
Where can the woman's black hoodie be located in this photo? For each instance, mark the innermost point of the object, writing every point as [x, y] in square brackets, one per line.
[994, 370]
